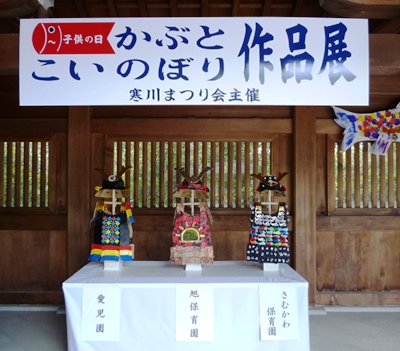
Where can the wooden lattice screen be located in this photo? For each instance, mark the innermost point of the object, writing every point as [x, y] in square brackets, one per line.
[25, 175]
[364, 180]
[153, 176]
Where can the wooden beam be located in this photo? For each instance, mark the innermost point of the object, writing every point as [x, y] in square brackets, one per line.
[266, 11]
[362, 8]
[370, 298]
[34, 128]
[79, 193]
[18, 8]
[143, 8]
[42, 297]
[235, 8]
[388, 27]
[173, 8]
[385, 85]
[304, 198]
[48, 221]
[352, 222]
[384, 54]
[298, 6]
[204, 8]
[80, 4]
[112, 8]
[166, 129]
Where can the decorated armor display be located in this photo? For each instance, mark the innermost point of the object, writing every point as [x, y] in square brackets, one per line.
[191, 234]
[112, 219]
[269, 235]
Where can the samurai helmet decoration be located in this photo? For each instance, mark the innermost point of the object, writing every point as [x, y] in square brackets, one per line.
[270, 182]
[112, 182]
[191, 183]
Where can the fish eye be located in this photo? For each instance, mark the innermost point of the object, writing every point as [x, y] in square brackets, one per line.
[51, 30]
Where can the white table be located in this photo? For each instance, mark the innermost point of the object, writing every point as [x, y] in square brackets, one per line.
[148, 306]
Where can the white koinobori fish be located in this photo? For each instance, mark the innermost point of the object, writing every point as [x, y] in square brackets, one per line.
[383, 127]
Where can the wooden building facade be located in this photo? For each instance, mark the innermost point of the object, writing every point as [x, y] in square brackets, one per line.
[350, 256]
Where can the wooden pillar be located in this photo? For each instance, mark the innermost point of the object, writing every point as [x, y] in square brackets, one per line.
[304, 159]
[79, 211]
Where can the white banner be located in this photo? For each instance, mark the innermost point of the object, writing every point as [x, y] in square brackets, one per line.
[101, 312]
[278, 312]
[194, 61]
[194, 312]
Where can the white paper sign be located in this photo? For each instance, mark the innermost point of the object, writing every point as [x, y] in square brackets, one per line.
[194, 61]
[101, 310]
[194, 312]
[278, 312]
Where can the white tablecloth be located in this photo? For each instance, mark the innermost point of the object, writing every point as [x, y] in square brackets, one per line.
[148, 306]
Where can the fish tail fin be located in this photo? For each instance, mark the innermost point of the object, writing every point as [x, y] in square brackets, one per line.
[346, 120]
[343, 117]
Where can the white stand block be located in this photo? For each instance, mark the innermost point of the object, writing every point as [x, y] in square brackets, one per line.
[270, 266]
[112, 265]
[193, 267]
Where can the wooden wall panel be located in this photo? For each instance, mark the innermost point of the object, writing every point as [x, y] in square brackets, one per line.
[345, 264]
[33, 263]
[230, 245]
[321, 175]
[325, 261]
[351, 258]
